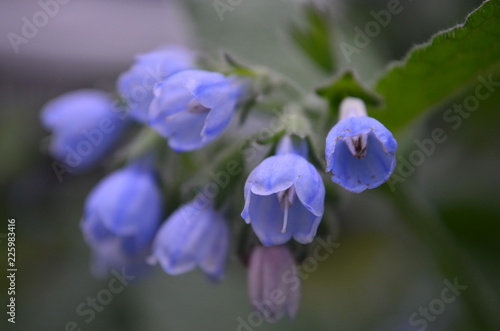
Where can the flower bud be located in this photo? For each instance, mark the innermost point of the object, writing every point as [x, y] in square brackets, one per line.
[273, 284]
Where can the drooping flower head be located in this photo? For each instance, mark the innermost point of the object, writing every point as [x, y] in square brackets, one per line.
[121, 216]
[359, 149]
[284, 196]
[193, 107]
[136, 84]
[85, 125]
[195, 235]
[273, 285]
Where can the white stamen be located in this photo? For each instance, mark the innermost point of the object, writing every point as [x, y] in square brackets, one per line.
[285, 219]
[286, 198]
[358, 145]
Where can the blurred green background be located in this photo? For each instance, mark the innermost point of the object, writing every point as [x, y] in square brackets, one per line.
[387, 266]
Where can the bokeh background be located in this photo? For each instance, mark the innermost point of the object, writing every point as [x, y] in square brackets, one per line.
[386, 267]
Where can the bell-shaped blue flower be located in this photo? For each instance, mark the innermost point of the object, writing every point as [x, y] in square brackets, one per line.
[121, 216]
[136, 84]
[85, 125]
[193, 107]
[194, 235]
[359, 149]
[273, 284]
[284, 198]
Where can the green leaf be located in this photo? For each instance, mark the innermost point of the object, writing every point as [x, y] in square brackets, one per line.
[347, 86]
[314, 38]
[450, 61]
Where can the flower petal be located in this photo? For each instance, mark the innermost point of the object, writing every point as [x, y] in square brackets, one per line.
[85, 125]
[302, 223]
[266, 215]
[136, 85]
[171, 97]
[184, 131]
[214, 254]
[275, 174]
[211, 91]
[129, 195]
[193, 235]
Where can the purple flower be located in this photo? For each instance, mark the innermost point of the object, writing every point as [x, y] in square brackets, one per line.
[284, 198]
[194, 235]
[193, 107]
[273, 285]
[85, 126]
[121, 216]
[136, 85]
[359, 149]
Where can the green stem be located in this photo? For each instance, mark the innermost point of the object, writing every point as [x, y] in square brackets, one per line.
[146, 140]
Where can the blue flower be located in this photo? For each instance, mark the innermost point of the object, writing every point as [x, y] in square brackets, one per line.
[284, 198]
[85, 126]
[194, 235]
[136, 85]
[193, 107]
[359, 149]
[269, 293]
[121, 216]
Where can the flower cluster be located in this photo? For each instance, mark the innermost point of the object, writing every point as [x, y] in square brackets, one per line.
[169, 95]
[162, 89]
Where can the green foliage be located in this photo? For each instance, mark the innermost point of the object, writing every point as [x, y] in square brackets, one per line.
[432, 72]
[347, 86]
[314, 38]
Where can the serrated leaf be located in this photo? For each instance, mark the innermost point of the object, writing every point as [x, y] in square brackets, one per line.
[450, 61]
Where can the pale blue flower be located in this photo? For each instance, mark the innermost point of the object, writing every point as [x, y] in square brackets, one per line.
[284, 198]
[359, 149]
[85, 126]
[273, 284]
[195, 235]
[136, 84]
[193, 107]
[121, 216]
